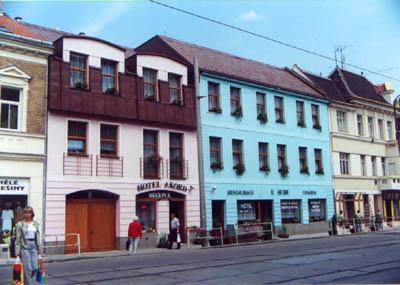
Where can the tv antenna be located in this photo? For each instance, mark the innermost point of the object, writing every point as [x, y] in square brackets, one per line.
[339, 53]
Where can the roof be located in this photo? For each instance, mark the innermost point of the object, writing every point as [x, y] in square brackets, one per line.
[214, 61]
[327, 85]
[13, 27]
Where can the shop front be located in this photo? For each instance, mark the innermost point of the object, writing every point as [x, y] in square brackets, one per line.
[391, 205]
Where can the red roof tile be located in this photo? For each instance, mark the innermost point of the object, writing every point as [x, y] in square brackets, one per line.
[17, 28]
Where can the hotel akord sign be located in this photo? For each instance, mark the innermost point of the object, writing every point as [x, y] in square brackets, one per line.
[167, 185]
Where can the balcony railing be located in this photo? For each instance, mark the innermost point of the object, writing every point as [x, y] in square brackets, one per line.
[389, 183]
[109, 166]
[151, 168]
[77, 165]
[177, 169]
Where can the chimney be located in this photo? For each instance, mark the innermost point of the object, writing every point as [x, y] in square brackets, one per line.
[362, 73]
[18, 19]
[82, 34]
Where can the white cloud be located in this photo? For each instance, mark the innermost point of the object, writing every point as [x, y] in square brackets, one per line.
[103, 17]
[250, 16]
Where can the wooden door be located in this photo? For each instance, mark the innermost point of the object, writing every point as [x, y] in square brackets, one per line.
[77, 213]
[102, 225]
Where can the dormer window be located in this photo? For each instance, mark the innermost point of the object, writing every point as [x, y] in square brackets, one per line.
[150, 84]
[78, 70]
[109, 76]
[174, 83]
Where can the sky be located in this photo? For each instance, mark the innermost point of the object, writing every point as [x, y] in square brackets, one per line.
[369, 30]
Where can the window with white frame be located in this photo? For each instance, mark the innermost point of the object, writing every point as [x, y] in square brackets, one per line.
[341, 121]
[363, 165]
[389, 130]
[371, 127]
[10, 102]
[344, 163]
[392, 168]
[383, 164]
[373, 165]
[360, 125]
[380, 128]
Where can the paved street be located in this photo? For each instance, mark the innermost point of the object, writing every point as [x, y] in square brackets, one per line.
[369, 258]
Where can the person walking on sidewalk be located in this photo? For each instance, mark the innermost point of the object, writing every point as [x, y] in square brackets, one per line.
[173, 236]
[379, 221]
[134, 234]
[27, 244]
[358, 221]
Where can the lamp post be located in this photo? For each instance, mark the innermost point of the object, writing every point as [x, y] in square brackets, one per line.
[396, 125]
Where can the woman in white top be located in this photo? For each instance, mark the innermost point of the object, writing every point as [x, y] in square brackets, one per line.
[27, 244]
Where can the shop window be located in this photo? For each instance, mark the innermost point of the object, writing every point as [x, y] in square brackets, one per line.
[11, 212]
[77, 138]
[10, 101]
[300, 113]
[176, 155]
[213, 97]
[279, 110]
[146, 212]
[236, 108]
[78, 70]
[150, 84]
[291, 211]
[151, 165]
[174, 83]
[108, 140]
[316, 210]
[315, 116]
[254, 211]
[246, 211]
[109, 76]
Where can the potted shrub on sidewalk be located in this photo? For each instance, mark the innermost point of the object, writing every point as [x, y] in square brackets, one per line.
[283, 232]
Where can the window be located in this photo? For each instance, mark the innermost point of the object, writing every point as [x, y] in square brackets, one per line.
[246, 211]
[392, 168]
[237, 152]
[360, 125]
[281, 156]
[151, 166]
[78, 70]
[109, 76]
[316, 210]
[319, 166]
[213, 97]
[315, 116]
[10, 101]
[389, 134]
[260, 103]
[383, 163]
[371, 127]
[76, 138]
[236, 108]
[373, 165]
[108, 140]
[341, 121]
[279, 110]
[380, 127]
[303, 160]
[150, 84]
[344, 163]
[176, 155]
[174, 83]
[300, 113]
[263, 156]
[215, 152]
[363, 165]
[290, 211]
[146, 212]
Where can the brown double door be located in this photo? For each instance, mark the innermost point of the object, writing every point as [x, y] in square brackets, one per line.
[94, 220]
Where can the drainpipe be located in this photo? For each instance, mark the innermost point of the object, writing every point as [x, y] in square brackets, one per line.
[203, 223]
[46, 128]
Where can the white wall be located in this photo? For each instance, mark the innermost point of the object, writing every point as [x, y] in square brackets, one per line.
[163, 66]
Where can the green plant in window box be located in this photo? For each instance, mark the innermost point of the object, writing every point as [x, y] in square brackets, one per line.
[284, 170]
[112, 91]
[176, 102]
[305, 170]
[319, 171]
[239, 168]
[265, 169]
[216, 110]
[280, 121]
[317, 127]
[216, 166]
[150, 98]
[80, 86]
[262, 117]
[238, 113]
[301, 124]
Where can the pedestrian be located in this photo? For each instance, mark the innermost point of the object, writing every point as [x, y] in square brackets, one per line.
[27, 244]
[134, 234]
[174, 232]
[379, 221]
[358, 221]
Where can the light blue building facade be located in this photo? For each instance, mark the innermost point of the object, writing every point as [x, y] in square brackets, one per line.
[302, 199]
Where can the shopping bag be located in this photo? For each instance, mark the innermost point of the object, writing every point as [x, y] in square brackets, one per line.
[178, 238]
[18, 273]
[128, 243]
[40, 275]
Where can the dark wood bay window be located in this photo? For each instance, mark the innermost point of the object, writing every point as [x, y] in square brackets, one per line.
[236, 108]
[78, 70]
[151, 159]
[263, 156]
[213, 97]
[109, 76]
[77, 140]
[174, 83]
[108, 141]
[150, 84]
[279, 110]
[176, 166]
